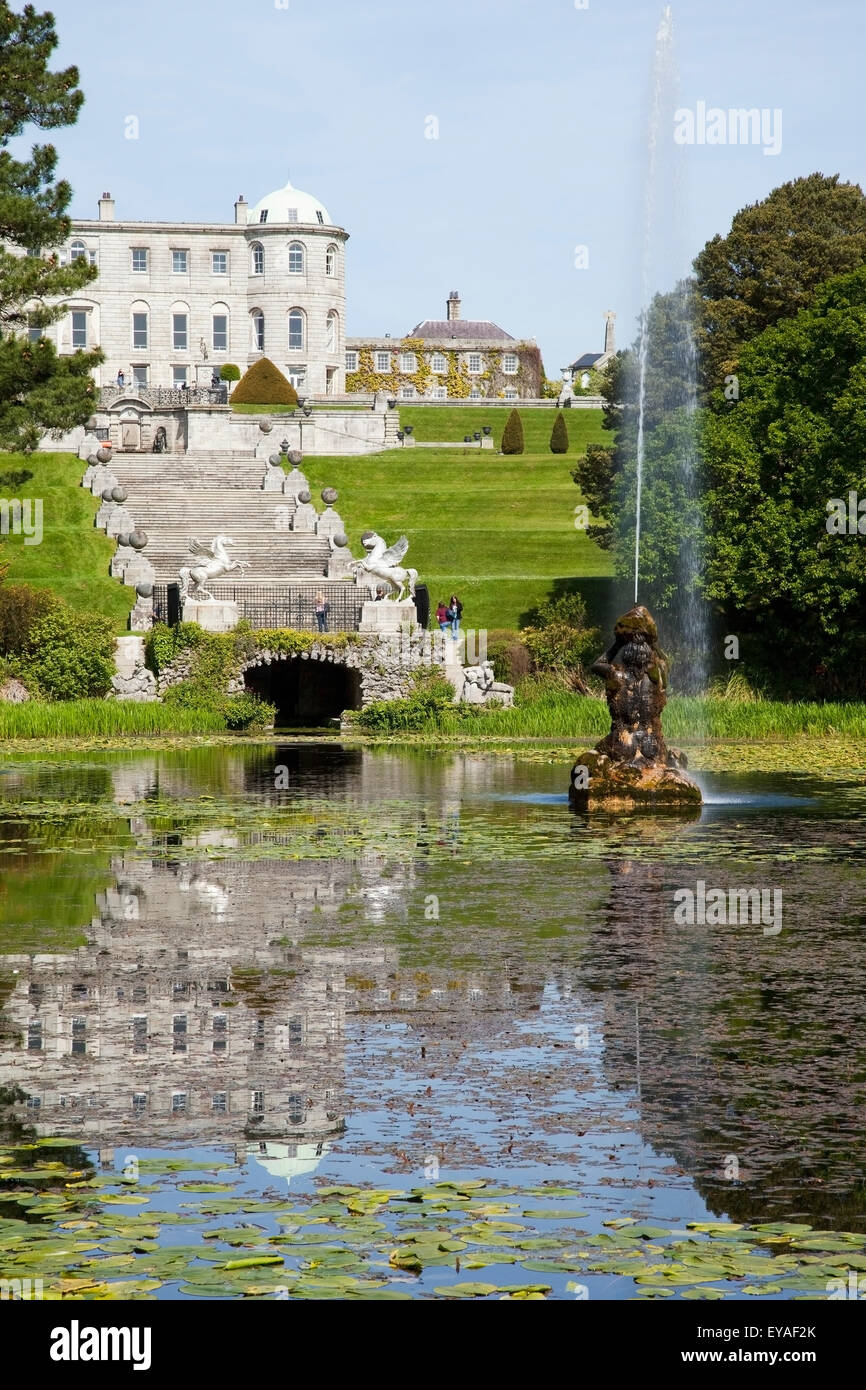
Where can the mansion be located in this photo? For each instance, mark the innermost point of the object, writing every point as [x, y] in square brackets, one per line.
[175, 301]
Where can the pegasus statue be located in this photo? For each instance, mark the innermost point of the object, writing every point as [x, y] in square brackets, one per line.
[381, 565]
[195, 578]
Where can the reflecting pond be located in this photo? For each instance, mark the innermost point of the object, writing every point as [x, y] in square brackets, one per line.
[320, 1021]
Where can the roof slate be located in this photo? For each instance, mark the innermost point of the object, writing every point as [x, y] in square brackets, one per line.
[461, 329]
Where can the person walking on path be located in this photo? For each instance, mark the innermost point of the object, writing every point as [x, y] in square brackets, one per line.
[442, 617]
[455, 613]
[322, 609]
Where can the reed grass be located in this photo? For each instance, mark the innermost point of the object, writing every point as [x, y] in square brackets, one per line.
[102, 718]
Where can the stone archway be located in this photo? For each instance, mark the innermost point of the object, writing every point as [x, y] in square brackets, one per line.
[307, 694]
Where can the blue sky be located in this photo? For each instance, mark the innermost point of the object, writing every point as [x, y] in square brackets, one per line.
[542, 110]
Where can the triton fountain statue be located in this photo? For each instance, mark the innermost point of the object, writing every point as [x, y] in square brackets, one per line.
[633, 765]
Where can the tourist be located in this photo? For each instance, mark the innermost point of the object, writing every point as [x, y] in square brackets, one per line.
[455, 613]
[442, 616]
[322, 609]
[121, 378]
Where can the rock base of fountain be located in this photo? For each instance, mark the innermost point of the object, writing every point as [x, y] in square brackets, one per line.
[598, 781]
[633, 766]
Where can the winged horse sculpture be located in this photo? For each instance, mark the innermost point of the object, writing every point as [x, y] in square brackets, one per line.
[381, 565]
[217, 562]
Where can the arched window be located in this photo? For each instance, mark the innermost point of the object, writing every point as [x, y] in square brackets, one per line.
[331, 261]
[78, 251]
[331, 329]
[140, 326]
[220, 327]
[257, 327]
[296, 328]
[296, 258]
[258, 258]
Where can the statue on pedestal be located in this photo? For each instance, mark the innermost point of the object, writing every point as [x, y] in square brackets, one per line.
[193, 578]
[381, 563]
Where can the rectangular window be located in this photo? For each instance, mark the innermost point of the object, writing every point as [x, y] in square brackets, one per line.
[257, 1102]
[296, 1110]
[79, 329]
[79, 1036]
[296, 332]
[34, 333]
[218, 1102]
[79, 990]
[178, 1029]
[511, 394]
[296, 1032]
[178, 1102]
[34, 1036]
[407, 393]
[139, 1035]
[509, 363]
[139, 376]
[179, 332]
[351, 361]
[320, 217]
[408, 362]
[220, 333]
[220, 263]
[291, 214]
[259, 1035]
[440, 393]
[383, 361]
[218, 986]
[139, 1102]
[475, 393]
[139, 330]
[474, 362]
[263, 215]
[220, 1031]
[139, 260]
[179, 379]
[439, 362]
[139, 994]
[34, 1103]
[179, 262]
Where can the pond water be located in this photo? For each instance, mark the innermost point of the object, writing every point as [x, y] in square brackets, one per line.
[400, 1024]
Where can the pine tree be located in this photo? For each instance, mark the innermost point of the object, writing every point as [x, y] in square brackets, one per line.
[512, 435]
[39, 390]
[264, 384]
[559, 435]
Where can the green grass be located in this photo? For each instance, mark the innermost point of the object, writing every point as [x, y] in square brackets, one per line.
[102, 718]
[498, 530]
[73, 558]
[557, 714]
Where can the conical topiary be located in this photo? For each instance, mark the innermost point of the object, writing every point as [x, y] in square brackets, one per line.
[264, 384]
[512, 435]
[559, 435]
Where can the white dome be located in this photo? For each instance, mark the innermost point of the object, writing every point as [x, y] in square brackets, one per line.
[289, 205]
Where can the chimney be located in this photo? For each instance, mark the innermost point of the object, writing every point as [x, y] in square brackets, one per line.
[241, 209]
[609, 334]
[106, 208]
[452, 306]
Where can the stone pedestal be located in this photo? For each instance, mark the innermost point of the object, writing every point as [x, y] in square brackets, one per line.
[139, 570]
[330, 523]
[119, 521]
[382, 615]
[295, 482]
[487, 441]
[132, 680]
[215, 616]
[408, 441]
[274, 478]
[305, 518]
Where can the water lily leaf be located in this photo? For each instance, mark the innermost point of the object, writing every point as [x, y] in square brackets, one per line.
[466, 1290]
[204, 1187]
[541, 1215]
[253, 1260]
[703, 1293]
[756, 1290]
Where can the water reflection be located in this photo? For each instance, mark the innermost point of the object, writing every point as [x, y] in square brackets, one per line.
[262, 947]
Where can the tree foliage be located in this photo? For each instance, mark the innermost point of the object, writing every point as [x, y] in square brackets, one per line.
[795, 440]
[39, 390]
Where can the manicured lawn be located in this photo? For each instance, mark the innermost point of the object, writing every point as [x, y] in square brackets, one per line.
[499, 530]
[73, 557]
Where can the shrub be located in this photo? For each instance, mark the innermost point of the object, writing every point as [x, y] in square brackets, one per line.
[69, 655]
[430, 697]
[229, 372]
[512, 435]
[559, 642]
[264, 384]
[21, 606]
[559, 435]
[249, 714]
[510, 656]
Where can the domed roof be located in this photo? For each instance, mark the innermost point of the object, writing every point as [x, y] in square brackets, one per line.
[289, 205]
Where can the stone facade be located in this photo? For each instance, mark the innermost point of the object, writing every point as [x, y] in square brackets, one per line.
[450, 358]
[174, 301]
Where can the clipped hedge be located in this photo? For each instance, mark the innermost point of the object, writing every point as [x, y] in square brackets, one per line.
[512, 435]
[264, 384]
[559, 435]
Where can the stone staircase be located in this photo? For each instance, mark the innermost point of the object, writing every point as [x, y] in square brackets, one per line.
[175, 497]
